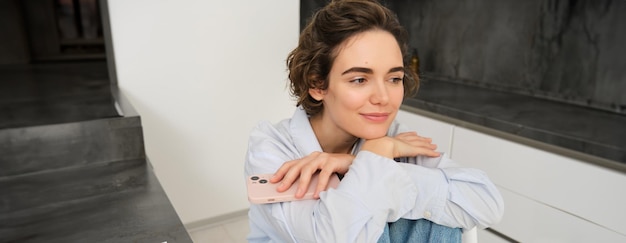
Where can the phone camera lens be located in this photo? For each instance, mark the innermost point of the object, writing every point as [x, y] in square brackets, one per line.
[254, 178]
[263, 181]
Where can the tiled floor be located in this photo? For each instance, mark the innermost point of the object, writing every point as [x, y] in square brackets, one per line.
[231, 231]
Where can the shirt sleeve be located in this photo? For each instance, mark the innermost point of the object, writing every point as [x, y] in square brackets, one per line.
[455, 197]
[376, 190]
[451, 195]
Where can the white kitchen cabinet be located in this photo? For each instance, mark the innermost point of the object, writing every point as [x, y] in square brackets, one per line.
[548, 197]
[529, 220]
[574, 187]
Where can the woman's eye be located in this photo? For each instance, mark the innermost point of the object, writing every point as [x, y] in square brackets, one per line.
[396, 80]
[358, 80]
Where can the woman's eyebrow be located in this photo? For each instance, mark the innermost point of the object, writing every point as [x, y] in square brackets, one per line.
[358, 70]
[396, 69]
[369, 70]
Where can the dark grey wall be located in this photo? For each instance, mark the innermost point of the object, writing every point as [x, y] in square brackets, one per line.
[568, 50]
[13, 40]
[571, 51]
[308, 8]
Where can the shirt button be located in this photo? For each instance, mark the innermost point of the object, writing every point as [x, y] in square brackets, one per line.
[427, 215]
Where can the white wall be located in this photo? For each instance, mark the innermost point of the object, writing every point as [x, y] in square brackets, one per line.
[202, 73]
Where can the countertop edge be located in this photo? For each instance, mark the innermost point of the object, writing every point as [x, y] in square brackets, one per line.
[602, 162]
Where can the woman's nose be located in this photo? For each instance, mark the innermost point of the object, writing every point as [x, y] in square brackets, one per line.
[380, 94]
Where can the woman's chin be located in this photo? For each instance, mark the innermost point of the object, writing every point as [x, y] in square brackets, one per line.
[372, 135]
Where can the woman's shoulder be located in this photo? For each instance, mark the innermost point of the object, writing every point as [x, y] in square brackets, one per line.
[271, 130]
[269, 146]
[282, 132]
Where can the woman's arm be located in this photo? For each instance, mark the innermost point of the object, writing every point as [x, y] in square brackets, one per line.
[373, 192]
[454, 196]
[450, 195]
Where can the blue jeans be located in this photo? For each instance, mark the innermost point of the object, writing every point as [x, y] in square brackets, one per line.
[422, 230]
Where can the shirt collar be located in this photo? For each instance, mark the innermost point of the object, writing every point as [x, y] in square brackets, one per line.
[303, 136]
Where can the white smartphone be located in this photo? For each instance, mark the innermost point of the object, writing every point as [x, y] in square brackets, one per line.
[261, 190]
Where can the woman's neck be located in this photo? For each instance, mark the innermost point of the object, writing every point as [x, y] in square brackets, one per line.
[332, 139]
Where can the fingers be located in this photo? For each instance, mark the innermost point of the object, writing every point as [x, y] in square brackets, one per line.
[318, 161]
[430, 152]
[418, 141]
[280, 173]
[300, 169]
[290, 177]
[304, 180]
[417, 145]
[288, 173]
[405, 134]
[412, 137]
[303, 170]
[322, 184]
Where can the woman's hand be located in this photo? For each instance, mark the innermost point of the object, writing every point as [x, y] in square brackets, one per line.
[304, 168]
[418, 145]
[407, 144]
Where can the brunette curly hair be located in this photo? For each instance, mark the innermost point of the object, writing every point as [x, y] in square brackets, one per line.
[310, 62]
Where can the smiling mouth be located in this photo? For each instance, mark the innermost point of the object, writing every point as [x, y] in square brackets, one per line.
[376, 117]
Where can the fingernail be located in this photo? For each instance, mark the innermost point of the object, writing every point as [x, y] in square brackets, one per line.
[299, 191]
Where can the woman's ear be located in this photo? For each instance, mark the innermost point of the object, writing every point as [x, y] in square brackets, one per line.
[317, 93]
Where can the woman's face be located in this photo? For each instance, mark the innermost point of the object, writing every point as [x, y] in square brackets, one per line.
[365, 87]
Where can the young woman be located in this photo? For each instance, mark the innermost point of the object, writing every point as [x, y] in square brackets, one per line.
[349, 76]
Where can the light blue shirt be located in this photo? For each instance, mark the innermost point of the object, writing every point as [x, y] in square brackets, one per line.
[376, 190]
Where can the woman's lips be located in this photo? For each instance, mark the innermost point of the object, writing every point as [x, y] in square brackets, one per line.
[375, 117]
